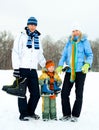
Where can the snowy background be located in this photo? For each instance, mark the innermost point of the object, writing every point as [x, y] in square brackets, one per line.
[89, 119]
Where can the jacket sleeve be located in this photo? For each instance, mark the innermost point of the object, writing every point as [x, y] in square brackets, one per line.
[15, 53]
[41, 58]
[63, 57]
[88, 53]
[42, 78]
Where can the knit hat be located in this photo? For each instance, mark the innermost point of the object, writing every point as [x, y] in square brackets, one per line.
[32, 21]
[49, 63]
[76, 26]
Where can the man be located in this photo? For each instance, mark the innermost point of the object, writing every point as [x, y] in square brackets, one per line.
[27, 53]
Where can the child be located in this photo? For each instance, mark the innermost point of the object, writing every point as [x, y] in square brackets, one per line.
[50, 82]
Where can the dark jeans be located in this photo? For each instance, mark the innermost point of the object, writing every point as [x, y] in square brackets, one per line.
[28, 107]
[67, 86]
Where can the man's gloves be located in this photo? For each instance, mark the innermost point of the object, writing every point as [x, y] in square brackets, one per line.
[59, 69]
[85, 68]
[16, 73]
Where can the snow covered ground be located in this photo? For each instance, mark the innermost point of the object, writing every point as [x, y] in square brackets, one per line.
[89, 119]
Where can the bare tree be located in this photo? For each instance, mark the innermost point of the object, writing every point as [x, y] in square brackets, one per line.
[95, 49]
[6, 42]
[52, 49]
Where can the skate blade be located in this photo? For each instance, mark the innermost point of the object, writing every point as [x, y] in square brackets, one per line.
[57, 92]
[20, 97]
[47, 95]
[15, 95]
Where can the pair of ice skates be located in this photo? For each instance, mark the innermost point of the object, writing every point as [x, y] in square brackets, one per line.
[46, 91]
[18, 88]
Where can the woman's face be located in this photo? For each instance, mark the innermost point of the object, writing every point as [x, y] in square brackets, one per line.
[32, 28]
[76, 33]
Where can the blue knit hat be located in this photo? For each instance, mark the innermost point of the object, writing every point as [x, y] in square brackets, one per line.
[32, 21]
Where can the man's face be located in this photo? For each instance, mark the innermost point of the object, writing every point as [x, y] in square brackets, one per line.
[32, 28]
[76, 33]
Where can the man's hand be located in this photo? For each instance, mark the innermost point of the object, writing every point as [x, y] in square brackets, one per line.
[16, 73]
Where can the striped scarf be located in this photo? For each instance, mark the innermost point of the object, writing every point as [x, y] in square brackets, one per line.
[73, 61]
[32, 35]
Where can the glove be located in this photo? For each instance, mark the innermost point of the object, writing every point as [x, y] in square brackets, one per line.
[59, 69]
[85, 68]
[16, 73]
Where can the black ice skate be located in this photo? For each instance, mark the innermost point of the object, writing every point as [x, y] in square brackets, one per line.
[20, 90]
[5, 87]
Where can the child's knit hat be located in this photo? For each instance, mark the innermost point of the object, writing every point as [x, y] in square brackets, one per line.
[32, 21]
[49, 63]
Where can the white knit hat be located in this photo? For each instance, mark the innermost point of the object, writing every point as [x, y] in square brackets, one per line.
[76, 26]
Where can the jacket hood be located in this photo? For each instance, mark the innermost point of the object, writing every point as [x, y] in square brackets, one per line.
[84, 37]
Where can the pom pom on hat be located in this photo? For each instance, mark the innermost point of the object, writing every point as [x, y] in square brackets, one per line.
[32, 21]
[49, 63]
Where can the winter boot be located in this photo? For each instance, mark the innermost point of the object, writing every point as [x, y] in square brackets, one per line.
[74, 119]
[5, 87]
[45, 90]
[20, 90]
[56, 88]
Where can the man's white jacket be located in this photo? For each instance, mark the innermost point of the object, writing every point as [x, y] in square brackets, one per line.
[24, 57]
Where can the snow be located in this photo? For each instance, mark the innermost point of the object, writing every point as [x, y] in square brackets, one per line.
[89, 119]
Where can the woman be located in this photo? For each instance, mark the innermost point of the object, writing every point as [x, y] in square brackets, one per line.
[78, 55]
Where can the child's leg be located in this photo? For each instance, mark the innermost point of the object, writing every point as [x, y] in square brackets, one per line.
[45, 108]
[53, 114]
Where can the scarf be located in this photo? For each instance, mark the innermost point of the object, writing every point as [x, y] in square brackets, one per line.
[74, 41]
[73, 62]
[74, 58]
[32, 35]
[51, 75]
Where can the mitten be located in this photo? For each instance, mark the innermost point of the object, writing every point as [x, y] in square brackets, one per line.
[59, 69]
[85, 68]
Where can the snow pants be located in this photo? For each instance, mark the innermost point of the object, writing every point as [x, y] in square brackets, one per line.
[27, 107]
[49, 107]
[66, 89]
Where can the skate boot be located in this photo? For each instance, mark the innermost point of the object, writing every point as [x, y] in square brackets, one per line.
[5, 87]
[46, 91]
[56, 88]
[66, 68]
[20, 90]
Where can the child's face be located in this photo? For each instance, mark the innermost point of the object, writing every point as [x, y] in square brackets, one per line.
[51, 68]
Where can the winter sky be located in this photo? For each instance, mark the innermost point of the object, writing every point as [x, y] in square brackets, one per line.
[55, 17]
